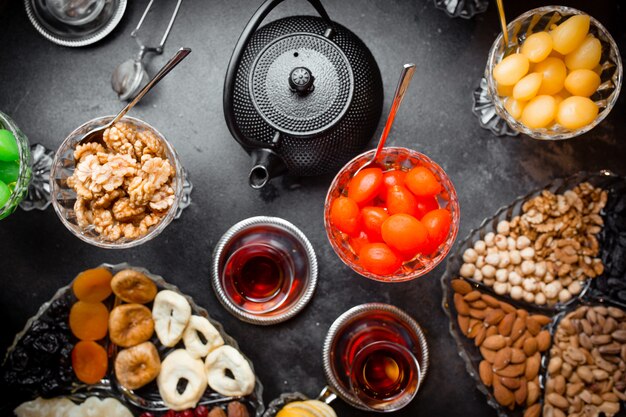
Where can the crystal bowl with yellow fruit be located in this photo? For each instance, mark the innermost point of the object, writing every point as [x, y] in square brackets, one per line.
[559, 76]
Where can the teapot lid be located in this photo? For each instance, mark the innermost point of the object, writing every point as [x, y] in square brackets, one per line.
[301, 83]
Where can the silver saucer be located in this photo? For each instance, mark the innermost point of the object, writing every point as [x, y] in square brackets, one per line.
[335, 385]
[218, 261]
[74, 36]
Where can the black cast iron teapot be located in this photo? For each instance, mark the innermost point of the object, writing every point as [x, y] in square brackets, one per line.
[302, 94]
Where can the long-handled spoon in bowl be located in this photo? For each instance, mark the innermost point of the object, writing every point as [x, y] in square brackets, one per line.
[95, 135]
[403, 84]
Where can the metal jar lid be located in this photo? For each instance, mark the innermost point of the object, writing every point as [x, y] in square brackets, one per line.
[74, 31]
[227, 244]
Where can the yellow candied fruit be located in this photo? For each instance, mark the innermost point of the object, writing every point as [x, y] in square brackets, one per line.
[560, 96]
[505, 90]
[570, 34]
[576, 112]
[554, 73]
[582, 82]
[514, 107]
[511, 69]
[586, 56]
[527, 87]
[539, 112]
[537, 46]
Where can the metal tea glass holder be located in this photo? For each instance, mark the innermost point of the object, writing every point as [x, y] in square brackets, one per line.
[131, 75]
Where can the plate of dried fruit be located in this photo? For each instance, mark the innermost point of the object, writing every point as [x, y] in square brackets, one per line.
[529, 281]
[122, 340]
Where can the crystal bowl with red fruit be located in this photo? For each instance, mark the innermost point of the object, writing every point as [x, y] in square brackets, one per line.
[394, 221]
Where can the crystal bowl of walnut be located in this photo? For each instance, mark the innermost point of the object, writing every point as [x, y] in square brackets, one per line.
[119, 193]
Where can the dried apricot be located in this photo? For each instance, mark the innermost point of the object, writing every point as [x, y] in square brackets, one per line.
[344, 215]
[401, 200]
[365, 185]
[372, 219]
[89, 321]
[422, 182]
[93, 285]
[437, 223]
[404, 233]
[379, 259]
[90, 361]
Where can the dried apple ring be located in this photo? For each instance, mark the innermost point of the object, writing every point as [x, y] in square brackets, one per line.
[89, 361]
[89, 321]
[180, 365]
[130, 324]
[227, 358]
[93, 285]
[133, 287]
[137, 365]
[171, 313]
[194, 345]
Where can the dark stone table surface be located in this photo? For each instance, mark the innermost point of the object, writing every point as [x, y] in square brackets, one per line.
[49, 90]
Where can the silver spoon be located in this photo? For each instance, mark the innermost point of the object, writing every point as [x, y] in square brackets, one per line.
[403, 85]
[96, 134]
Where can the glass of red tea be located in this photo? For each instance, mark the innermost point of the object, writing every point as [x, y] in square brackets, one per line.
[375, 357]
[264, 270]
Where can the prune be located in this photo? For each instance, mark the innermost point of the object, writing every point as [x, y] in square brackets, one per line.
[612, 283]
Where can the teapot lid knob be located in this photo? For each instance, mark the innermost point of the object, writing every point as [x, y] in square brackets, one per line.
[301, 80]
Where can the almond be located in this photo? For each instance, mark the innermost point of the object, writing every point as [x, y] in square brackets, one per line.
[477, 313]
[237, 409]
[473, 331]
[472, 296]
[619, 335]
[495, 342]
[491, 301]
[511, 383]
[506, 324]
[480, 336]
[533, 391]
[512, 371]
[521, 393]
[461, 286]
[541, 319]
[488, 354]
[530, 346]
[217, 412]
[486, 375]
[461, 306]
[480, 304]
[543, 341]
[519, 326]
[533, 326]
[532, 366]
[503, 395]
[533, 411]
[517, 355]
[508, 308]
[494, 317]
[463, 323]
[519, 343]
[491, 330]
[559, 384]
[502, 359]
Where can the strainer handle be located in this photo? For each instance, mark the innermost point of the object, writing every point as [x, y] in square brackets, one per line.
[235, 60]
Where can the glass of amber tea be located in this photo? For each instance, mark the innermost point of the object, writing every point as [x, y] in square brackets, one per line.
[375, 357]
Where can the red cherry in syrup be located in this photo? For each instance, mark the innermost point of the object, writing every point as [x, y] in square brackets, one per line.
[146, 414]
[170, 413]
[186, 413]
[201, 411]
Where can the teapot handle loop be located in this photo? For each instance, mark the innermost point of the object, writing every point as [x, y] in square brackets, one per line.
[235, 60]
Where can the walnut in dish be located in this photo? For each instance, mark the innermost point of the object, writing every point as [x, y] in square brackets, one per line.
[124, 187]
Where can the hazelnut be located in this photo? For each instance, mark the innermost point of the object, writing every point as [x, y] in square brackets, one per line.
[522, 242]
[489, 239]
[488, 271]
[500, 241]
[527, 253]
[467, 270]
[503, 227]
[493, 259]
[489, 282]
[510, 243]
[478, 276]
[564, 296]
[516, 257]
[517, 292]
[540, 269]
[551, 291]
[502, 275]
[505, 260]
[540, 298]
[500, 288]
[480, 261]
[515, 278]
[480, 247]
[575, 288]
[529, 297]
[528, 267]
[470, 256]
[529, 284]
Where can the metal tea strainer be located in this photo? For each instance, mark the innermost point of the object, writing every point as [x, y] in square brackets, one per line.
[131, 75]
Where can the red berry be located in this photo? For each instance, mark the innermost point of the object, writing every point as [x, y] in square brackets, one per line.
[169, 413]
[186, 413]
[201, 411]
[146, 414]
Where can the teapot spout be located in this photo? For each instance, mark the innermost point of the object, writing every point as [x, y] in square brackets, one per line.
[266, 164]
